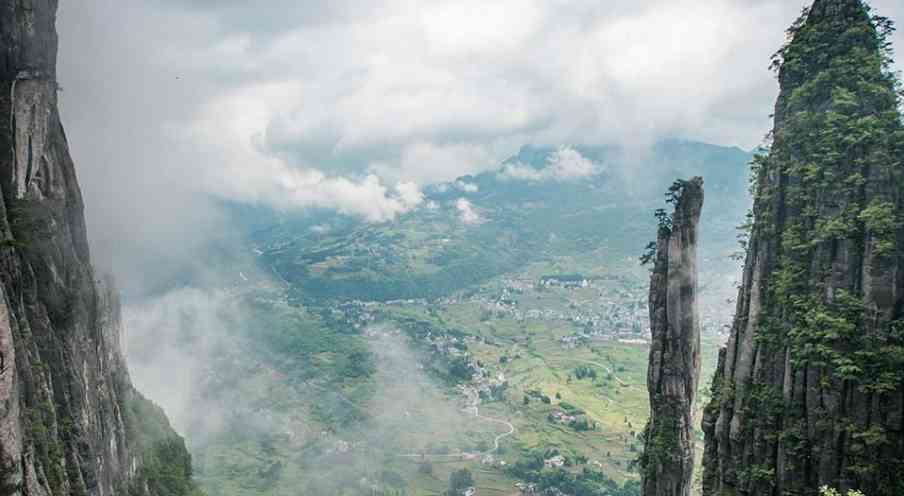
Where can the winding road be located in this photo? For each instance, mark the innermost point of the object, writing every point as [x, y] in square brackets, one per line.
[496, 441]
[495, 421]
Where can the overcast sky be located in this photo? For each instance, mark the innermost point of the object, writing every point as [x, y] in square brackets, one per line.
[356, 104]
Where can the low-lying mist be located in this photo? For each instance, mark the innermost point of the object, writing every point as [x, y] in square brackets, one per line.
[271, 422]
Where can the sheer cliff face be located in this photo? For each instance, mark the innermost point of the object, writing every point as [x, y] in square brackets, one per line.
[675, 351]
[64, 389]
[809, 389]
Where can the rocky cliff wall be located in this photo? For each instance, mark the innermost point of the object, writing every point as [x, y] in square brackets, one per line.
[69, 422]
[809, 390]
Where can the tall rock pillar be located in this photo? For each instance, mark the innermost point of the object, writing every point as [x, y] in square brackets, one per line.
[674, 370]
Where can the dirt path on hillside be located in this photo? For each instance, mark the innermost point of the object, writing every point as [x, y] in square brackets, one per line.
[465, 455]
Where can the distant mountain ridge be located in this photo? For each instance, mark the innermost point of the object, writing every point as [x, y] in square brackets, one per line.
[513, 219]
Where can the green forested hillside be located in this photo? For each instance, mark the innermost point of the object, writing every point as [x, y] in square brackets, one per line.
[431, 253]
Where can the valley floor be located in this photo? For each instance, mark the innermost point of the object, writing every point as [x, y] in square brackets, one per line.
[556, 374]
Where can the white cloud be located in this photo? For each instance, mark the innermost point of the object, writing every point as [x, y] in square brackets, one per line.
[240, 168]
[367, 197]
[466, 212]
[523, 172]
[298, 103]
[467, 187]
[170, 342]
[466, 27]
[409, 194]
[567, 163]
[427, 163]
[564, 164]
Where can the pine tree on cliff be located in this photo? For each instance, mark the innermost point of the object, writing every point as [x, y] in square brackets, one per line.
[810, 389]
[668, 459]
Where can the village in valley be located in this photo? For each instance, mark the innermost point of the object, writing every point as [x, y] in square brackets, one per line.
[592, 333]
